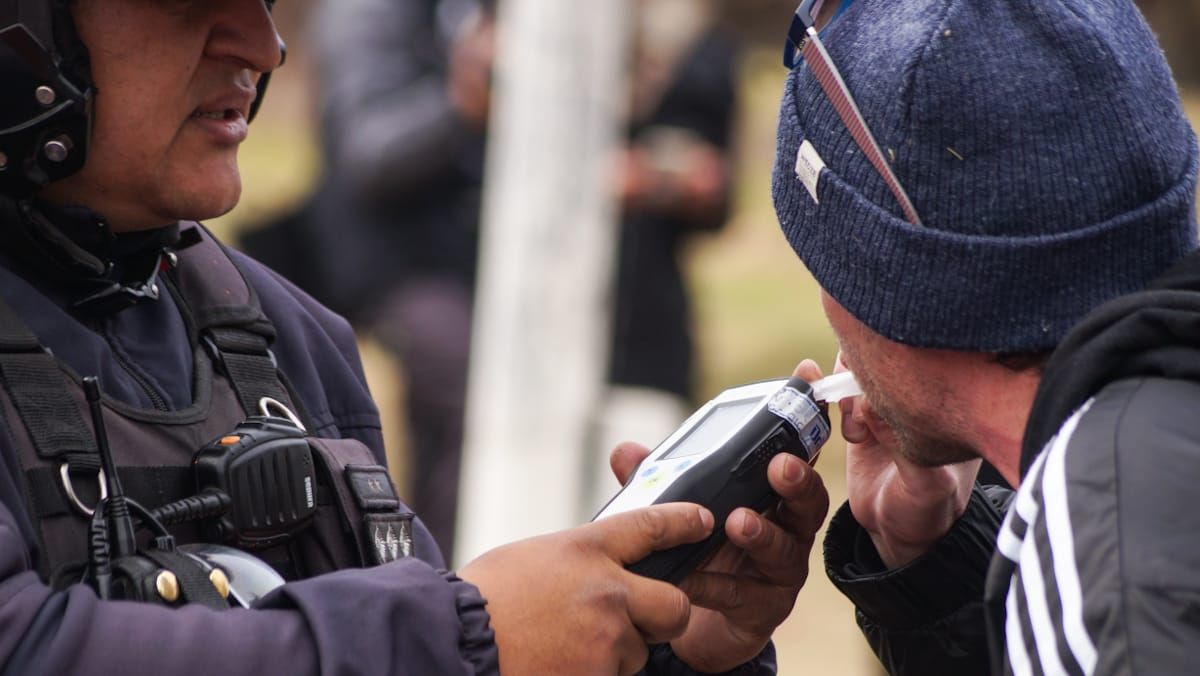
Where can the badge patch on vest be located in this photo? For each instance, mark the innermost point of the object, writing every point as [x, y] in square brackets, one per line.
[390, 535]
[372, 487]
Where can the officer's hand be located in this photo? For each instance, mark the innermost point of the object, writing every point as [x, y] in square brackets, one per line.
[749, 586]
[904, 507]
[564, 603]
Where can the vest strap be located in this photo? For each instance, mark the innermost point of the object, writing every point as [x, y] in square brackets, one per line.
[367, 501]
[193, 580]
[39, 390]
[149, 486]
[250, 366]
[232, 324]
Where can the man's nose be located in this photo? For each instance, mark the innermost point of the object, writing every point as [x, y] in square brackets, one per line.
[244, 32]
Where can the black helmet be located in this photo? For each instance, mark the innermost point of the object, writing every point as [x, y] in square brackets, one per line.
[47, 92]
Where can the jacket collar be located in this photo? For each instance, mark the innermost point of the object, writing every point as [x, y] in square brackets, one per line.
[73, 251]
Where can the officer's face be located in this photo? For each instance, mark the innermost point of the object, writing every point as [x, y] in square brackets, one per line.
[918, 392]
[175, 80]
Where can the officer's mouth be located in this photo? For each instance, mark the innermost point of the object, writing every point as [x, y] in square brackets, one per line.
[225, 126]
[224, 116]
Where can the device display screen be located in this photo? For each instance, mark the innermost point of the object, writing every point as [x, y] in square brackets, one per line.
[712, 428]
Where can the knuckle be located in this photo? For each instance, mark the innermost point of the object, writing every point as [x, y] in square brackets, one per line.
[607, 635]
[653, 524]
[680, 611]
[734, 596]
[610, 596]
[789, 551]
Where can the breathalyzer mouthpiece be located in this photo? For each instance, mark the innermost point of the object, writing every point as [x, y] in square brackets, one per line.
[836, 387]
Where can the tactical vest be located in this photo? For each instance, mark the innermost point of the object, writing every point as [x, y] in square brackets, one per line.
[359, 520]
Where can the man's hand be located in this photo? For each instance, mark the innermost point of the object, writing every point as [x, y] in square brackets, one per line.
[564, 603]
[749, 586]
[904, 507]
[470, 77]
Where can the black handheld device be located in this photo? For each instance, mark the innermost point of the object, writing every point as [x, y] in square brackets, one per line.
[718, 458]
[266, 468]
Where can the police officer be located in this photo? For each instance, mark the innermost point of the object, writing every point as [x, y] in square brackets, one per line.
[120, 127]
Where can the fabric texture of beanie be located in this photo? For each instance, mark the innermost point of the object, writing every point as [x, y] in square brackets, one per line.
[1042, 143]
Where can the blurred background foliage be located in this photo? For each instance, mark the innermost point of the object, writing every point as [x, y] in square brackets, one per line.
[756, 308]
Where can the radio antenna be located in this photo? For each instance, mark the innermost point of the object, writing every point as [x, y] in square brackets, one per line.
[116, 509]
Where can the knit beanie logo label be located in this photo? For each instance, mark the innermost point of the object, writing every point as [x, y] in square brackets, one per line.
[809, 166]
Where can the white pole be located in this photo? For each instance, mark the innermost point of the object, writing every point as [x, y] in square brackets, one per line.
[542, 326]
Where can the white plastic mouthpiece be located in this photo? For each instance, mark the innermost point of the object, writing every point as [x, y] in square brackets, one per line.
[836, 387]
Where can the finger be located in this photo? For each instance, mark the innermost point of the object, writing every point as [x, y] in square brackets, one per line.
[625, 459]
[854, 426]
[633, 535]
[878, 428]
[756, 606]
[779, 556]
[804, 500]
[659, 610]
[633, 653]
[808, 370]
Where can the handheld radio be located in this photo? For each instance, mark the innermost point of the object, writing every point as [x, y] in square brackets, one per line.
[718, 458]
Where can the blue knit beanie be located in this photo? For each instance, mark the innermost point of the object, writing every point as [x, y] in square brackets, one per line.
[1042, 143]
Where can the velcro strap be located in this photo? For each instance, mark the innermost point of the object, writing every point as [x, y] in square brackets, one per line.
[372, 488]
[251, 368]
[39, 391]
[14, 335]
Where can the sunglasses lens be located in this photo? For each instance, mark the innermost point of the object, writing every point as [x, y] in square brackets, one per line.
[823, 12]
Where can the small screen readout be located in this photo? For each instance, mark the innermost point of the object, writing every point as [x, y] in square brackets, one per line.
[712, 428]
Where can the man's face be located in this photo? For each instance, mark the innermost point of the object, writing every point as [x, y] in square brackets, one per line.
[175, 80]
[910, 389]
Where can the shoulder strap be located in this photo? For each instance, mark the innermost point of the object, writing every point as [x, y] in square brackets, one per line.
[231, 322]
[43, 400]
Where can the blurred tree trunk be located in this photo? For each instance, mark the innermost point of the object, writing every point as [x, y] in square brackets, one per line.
[540, 345]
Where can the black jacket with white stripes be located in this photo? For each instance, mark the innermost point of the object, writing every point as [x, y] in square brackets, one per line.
[1093, 566]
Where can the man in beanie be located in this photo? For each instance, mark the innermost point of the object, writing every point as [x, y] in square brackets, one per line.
[1029, 163]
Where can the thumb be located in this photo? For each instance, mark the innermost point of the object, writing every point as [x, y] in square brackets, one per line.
[625, 458]
[632, 536]
[808, 370]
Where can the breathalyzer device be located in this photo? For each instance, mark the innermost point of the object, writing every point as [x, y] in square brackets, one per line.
[718, 458]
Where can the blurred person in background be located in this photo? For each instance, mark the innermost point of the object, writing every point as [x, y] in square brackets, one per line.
[123, 126]
[1011, 276]
[673, 182]
[405, 96]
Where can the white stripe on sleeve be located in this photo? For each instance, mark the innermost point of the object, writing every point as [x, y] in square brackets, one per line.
[1062, 547]
[1045, 640]
[1018, 656]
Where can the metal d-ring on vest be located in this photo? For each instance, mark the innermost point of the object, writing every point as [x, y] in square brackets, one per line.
[65, 471]
[267, 404]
